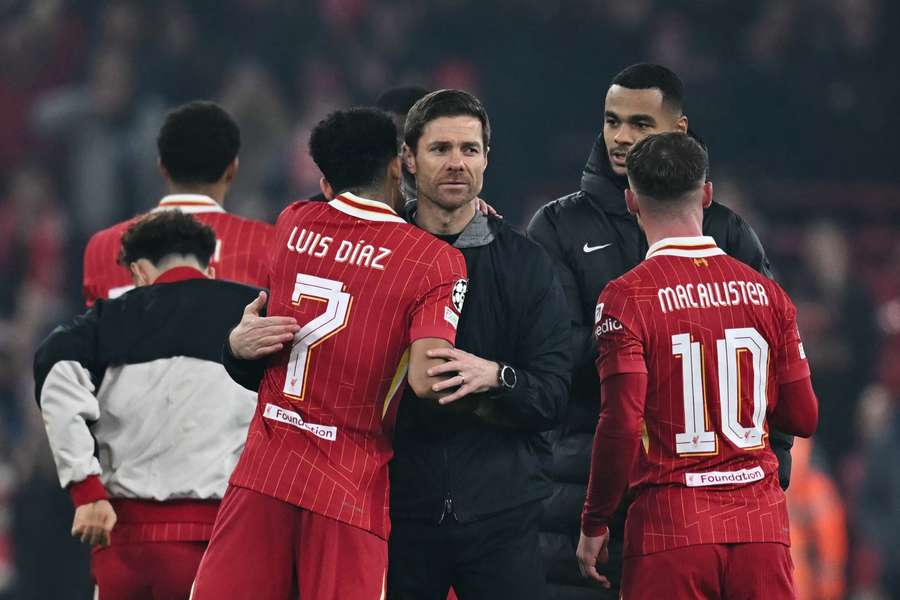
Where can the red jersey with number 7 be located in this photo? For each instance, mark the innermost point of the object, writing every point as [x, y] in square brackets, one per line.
[715, 339]
[236, 258]
[363, 284]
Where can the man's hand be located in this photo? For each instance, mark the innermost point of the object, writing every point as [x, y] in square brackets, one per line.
[487, 210]
[256, 336]
[473, 374]
[94, 522]
[590, 551]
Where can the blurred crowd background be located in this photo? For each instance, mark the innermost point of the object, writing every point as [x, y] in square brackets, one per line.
[797, 100]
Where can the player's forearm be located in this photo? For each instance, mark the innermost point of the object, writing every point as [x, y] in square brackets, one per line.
[616, 445]
[608, 480]
[246, 373]
[797, 409]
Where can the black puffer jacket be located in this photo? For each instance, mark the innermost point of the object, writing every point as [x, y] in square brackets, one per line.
[594, 240]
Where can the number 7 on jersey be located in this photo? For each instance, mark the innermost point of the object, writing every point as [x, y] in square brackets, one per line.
[317, 330]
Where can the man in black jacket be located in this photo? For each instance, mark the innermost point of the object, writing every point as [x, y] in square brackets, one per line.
[594, 240]
[468, 475]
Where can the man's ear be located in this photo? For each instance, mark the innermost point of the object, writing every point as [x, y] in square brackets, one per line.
[392, 183]
[682, 124]
[140, 274]
[707, 194]
[326, 188]
[162, 169]
[231, 170]
[631, 202]
[393, 170]
[409, 159]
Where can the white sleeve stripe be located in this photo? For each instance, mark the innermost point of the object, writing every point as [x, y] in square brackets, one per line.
[67, 404]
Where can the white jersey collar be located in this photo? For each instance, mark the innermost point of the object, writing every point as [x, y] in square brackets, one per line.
[688, 247]
[189, 203]
[364, 208]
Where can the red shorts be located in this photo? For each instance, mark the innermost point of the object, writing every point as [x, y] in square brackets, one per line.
[265, 548]
[734, 571]
[146, 570]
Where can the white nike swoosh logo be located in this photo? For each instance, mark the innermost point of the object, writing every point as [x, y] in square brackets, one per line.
[589, 249]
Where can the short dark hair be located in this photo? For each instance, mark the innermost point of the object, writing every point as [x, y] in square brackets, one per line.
[197, 142]
[167, 233]
[444, 103]
[353, 147]
[666, 166]
[646, 76]
[398, 100]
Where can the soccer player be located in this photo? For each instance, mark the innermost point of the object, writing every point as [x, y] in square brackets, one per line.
[594, 240]
[144, 423]
[306, 515]
[198, 157]
[698, 356]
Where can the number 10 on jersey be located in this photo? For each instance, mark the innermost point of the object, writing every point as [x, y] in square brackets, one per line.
[697, 438]
[317, 330]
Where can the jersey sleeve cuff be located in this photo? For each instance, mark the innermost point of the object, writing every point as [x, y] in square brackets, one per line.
[615, 366]
[592, 528]
[796, 372]
[432, 331]
[87, 491]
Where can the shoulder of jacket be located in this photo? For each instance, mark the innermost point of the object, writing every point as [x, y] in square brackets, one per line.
[720, 215]
[518, 242]
[573, 201]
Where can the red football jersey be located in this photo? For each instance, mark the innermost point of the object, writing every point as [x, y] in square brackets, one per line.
[364, 285]
[716, 339]
[237, 256]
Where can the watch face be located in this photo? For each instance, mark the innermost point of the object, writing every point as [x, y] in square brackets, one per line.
[508, 376]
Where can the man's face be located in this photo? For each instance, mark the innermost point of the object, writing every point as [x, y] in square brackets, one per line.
[630, 116]
[449, 161]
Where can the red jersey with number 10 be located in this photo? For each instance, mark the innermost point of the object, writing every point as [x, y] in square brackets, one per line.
[716, 339]
[364, 285]
[237, 256]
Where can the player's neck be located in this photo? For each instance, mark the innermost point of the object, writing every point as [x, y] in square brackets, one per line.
[371, 194]
[668, 227]
[438, 220]
[216, 191]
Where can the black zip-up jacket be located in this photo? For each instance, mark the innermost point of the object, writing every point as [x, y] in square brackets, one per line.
[594, 240]
[490, 453]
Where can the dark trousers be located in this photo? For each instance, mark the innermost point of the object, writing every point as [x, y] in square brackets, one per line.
[491, 559]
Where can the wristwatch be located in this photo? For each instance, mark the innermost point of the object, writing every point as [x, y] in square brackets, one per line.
[506, 377]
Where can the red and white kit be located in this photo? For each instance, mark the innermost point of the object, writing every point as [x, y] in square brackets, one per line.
[364, 285]
[697, 353]
[239, 254]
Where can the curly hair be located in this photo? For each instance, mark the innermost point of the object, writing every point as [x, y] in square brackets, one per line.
[167, 233]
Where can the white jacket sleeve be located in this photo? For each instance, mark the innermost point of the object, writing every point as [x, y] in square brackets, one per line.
[68, 405]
